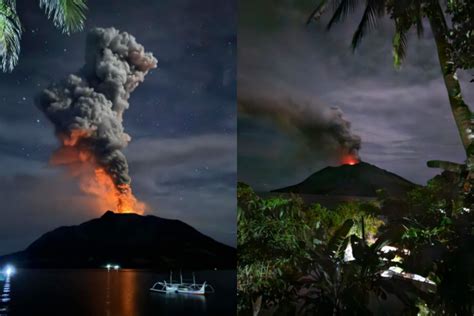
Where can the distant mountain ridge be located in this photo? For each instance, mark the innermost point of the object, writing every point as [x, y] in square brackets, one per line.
[130, 240]
[362, 179]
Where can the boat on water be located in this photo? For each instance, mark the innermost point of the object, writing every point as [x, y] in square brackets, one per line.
[182, 287]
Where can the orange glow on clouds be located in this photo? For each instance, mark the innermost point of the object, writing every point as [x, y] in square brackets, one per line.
[93, 179]
[110, 197]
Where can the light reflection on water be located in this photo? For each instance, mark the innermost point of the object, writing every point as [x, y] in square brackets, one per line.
[5, 298]
[129, 292]
[197, 302]
[111, 293]
[107, 297]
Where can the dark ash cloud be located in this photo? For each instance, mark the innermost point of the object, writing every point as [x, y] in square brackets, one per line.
[87, 108]
[322, 130]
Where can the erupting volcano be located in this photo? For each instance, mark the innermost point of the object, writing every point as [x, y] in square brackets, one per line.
[350, 159]
[87, 112]
[359, 180]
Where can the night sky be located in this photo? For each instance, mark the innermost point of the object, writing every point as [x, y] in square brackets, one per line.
[402, 116]
[182, 119]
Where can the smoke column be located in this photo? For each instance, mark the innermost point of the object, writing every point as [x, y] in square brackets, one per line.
[87, 110]
[322, 128]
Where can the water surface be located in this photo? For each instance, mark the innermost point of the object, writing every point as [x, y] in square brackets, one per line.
[110, 293]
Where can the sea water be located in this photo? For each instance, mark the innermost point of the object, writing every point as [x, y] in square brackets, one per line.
[111, 293]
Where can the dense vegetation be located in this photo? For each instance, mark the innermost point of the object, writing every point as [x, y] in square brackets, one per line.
[306, 259]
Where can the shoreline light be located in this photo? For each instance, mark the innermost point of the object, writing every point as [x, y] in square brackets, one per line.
[9, 270]
[112, 266]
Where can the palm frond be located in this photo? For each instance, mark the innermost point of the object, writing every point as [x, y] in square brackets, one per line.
[373, 10]
[343, 9]
[10, 35]
[399, 45]
[316, 13]
[418, 19]
[68, 15]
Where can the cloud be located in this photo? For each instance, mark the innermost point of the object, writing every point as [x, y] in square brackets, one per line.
[189, 178]
[36, 202]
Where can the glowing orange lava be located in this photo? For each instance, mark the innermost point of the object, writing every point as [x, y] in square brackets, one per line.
[94, 179]
[350, 160]
[111, 197]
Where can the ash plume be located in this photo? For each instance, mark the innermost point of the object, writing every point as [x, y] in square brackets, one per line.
[87, 107]
[322, 128]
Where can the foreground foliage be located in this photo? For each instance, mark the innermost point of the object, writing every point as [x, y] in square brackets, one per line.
[438, 229]
[67, 15]
[294, 259]
[277, 241]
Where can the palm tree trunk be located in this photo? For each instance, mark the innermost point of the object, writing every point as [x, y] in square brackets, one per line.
[257, 305]
[461, 112]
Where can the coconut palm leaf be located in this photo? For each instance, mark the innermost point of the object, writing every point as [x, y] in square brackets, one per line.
[406, 13]
[343, 9]
[374, 9]
[399, 47]
[67, 15]
[316, 13]
[419, 19]
[10, 35]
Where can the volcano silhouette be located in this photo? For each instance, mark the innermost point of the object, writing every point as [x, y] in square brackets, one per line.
[131, 240]
[362, 179]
